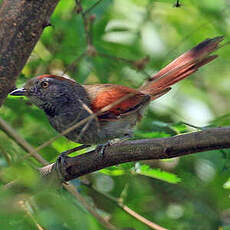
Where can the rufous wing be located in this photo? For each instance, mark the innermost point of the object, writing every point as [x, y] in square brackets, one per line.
[112, 101]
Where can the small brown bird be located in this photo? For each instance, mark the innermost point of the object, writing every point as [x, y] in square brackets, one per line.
[116, 108]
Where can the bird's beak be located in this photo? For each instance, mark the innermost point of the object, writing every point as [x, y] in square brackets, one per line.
[18, 92]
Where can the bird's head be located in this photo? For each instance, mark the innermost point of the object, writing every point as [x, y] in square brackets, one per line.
[50, 92]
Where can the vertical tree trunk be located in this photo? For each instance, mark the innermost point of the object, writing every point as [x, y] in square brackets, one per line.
[21, 24]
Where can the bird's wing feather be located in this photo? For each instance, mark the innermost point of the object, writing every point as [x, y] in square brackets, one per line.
[114, 100]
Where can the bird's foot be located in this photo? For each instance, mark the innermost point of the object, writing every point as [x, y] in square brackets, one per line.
[61, 161]
[61, 165]
[101, 147]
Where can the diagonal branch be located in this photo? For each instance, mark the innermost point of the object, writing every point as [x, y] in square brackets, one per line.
[147, 149]
[21, 24]
[125, 208]
[86, 204]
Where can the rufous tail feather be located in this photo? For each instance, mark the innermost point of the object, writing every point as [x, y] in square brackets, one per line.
[181, 67]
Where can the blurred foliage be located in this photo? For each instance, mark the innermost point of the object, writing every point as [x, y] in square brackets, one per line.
[131, 29]
[145, 170]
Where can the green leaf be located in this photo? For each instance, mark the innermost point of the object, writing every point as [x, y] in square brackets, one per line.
[227, 184]
[113, 171]
[146, 170]
[118, 170]
[179, 127]
[142, 134]
[222, 120]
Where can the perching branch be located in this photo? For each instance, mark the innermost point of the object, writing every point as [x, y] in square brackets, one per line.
[147, 149]
[21, 24]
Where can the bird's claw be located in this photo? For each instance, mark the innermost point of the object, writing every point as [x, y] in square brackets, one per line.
[60, 165]
[101, 148]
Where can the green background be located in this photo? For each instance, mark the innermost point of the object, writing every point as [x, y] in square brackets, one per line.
[190, 192]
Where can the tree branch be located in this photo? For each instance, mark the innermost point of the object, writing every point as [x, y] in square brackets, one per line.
[21, 24]
[147, 149]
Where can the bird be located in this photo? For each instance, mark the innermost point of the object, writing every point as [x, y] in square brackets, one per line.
[105, 112]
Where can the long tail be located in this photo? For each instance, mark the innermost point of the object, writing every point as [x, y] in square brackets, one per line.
[181, 67]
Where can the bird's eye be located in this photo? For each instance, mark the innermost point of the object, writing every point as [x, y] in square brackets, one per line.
[44, 84]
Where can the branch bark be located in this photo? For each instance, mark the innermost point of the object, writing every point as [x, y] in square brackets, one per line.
[147, 149]
[21, 24]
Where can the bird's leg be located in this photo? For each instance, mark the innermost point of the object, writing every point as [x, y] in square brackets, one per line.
[63, 155]
[101, 147]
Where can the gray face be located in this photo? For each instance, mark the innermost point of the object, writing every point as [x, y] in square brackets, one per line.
[42, 91]
[36, 89]
[52, 93]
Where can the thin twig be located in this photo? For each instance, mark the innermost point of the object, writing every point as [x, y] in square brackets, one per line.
[86, 22]
[193, 126]
[76, 61]
[92, 7]
[90, 209]
[24, 207]
[132, 63]
[127, 61]
[10, 185]
[141, 218]
[6, 155]
[78, 148]
[21, 142]
[128, 210]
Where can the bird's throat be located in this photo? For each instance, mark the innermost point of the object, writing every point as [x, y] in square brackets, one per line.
[50, 110]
